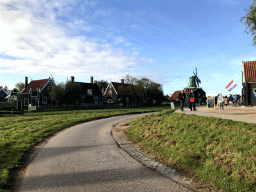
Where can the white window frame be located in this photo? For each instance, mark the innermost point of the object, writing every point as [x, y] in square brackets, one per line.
[26, 101]
[89, 91]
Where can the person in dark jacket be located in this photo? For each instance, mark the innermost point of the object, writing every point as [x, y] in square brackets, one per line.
[182, 97]
[192, 101]
[230, 98]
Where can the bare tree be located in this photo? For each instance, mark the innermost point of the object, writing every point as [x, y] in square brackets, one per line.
[5, 88]
[130, 80]
[20, 86]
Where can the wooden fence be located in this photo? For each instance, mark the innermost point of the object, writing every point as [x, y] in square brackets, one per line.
[4, 105]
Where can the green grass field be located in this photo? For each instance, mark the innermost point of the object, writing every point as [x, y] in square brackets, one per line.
[19, 133]
[220, 153]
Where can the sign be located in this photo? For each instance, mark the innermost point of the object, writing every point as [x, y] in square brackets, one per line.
[210, 102]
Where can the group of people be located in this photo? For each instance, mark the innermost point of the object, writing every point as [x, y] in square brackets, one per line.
[221, 101]
[227, 100]
[182, 98]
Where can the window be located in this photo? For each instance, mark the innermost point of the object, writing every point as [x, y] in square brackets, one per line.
[127, 99]
[49, 89]
[26, 101]
[95, 98]
[89, 92]
[110, 93]
[198, 94]
[83, 97]
[44, 100]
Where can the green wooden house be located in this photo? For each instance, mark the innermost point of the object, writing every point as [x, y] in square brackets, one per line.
[35, 93]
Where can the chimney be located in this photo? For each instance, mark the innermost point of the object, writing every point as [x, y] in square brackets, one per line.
[122, 81]
[91, 79]
[26, 81]
[72, 79]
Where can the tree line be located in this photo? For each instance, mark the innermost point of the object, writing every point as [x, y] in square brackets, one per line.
[145, 88]
[69, 92]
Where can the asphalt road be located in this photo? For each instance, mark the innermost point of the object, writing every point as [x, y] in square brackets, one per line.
[86, 158]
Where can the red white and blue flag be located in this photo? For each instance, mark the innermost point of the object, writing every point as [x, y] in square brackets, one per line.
[231, 85]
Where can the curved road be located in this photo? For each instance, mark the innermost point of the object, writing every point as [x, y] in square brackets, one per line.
[85, 157]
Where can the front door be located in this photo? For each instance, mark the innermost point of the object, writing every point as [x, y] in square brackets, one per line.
[249, 94]
[19, 106]
[33, 101]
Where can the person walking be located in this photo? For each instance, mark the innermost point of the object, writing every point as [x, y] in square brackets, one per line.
[235, 100]
[226, 101]
[192, 100]
[230, 99]
[182, 97]
[220, 102]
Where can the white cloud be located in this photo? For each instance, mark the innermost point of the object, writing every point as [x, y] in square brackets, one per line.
[127, 44]
[136, 26]
[119, 40]
[30, 32]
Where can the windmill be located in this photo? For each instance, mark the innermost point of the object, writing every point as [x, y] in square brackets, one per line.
[197, 80]
[194, 81]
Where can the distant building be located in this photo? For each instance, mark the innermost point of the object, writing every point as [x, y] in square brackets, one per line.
[249, 83]
[90, 93]
[39, 92]
[200, 95]
[121, 93]
[3, 94]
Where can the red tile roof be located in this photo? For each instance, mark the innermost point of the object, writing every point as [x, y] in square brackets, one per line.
[35, 85]
[175, 95]
[250, 71]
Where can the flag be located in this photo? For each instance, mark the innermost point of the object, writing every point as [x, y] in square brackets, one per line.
[231, 85]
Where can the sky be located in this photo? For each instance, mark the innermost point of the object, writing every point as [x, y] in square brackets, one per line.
[162, 40]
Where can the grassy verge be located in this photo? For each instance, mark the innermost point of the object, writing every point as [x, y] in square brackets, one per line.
[221, 153]
[19, 133]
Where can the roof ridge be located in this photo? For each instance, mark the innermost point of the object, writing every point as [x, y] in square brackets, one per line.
[39, 80]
